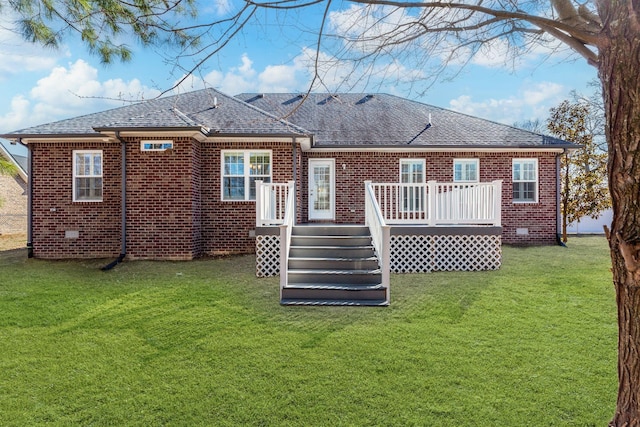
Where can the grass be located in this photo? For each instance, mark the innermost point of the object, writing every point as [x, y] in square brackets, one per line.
[206, 343]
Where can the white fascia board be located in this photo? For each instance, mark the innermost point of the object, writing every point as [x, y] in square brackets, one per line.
[157, 134]
[302, 140]
[414, 149]
[66, 138]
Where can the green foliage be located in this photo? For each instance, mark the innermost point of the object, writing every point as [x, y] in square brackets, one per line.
[206, 343]
[7, 168]
[101, 24]
[584, 172]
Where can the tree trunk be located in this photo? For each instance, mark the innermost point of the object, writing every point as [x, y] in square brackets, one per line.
[566, 196]
[619, 68]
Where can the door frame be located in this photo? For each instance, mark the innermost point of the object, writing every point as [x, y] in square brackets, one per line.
[332, 178]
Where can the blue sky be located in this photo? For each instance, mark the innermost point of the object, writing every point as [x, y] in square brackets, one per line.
[40, 85]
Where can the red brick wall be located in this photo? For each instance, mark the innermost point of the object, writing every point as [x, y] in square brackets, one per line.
[162, 190]
[175, 211]
[54, 212]
[538, 218]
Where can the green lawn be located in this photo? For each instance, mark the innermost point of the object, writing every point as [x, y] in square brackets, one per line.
[206, 343]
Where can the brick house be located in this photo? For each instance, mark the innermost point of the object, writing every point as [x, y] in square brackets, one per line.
[204, 173]
[13, 194]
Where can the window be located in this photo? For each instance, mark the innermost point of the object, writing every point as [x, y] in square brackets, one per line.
[87, 176]
[466, 170]
[525, 180]
[412, 172]
[156, 145]
[241, 170]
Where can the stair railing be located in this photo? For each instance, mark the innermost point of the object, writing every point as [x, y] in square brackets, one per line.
[380, 234]
[286, 227]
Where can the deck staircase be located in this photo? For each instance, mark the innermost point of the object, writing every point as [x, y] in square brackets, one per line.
[333, 265]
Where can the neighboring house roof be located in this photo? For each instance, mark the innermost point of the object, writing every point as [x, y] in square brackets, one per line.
[22, 161]
[371, 120]
[19, 161]
[207, 110]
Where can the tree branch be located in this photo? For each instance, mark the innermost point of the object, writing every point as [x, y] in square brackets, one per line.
[588, 37]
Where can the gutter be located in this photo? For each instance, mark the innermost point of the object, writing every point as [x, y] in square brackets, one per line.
[123, 204]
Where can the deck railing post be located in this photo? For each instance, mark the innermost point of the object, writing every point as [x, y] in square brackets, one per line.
[367, 208]
[284, 255]
[432, 197]
[289, 220]
[497, 206]
[380, 234]
[386, 259]
[259, 204]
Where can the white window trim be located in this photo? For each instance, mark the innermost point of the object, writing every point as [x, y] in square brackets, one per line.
[466, 161]
[74, 175]
[537, 180]
[421, 161]
[156, 145]
[246, 175]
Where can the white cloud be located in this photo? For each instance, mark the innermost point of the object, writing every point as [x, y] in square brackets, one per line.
[530, 103]
[68, 92]
[277, 78]
[19, 113]
[245, 78]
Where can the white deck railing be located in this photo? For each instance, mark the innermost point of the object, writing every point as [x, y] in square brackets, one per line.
[437, 203]
[271, 201]
[380, 234]
[286, 227]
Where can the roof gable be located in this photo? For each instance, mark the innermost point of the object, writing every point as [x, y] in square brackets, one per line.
[207, 110]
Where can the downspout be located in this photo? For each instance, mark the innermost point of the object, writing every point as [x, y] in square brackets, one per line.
[558, 202]
[29, 199]
[123, 203]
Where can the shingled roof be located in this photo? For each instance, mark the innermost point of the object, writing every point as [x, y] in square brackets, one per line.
[382, 120]
[208, 110]
[333, 121]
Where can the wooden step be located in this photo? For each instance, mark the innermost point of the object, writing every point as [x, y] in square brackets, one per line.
[330, 251]
[346, 303]
[331, 291]
[342, 263]
[330, 230]
[335, 276]
[337, 241]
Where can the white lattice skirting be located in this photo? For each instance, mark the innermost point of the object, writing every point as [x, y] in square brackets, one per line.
[267, 256]
[410, 253]
[426, 253]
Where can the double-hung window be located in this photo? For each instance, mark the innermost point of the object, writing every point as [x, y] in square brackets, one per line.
[525, 180]
[87, 175]
[466, 170]
[240, 171]
[412, 177]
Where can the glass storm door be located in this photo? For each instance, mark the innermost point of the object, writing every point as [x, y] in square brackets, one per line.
[321, 189]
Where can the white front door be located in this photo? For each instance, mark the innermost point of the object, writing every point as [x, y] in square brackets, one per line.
[322, 199]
